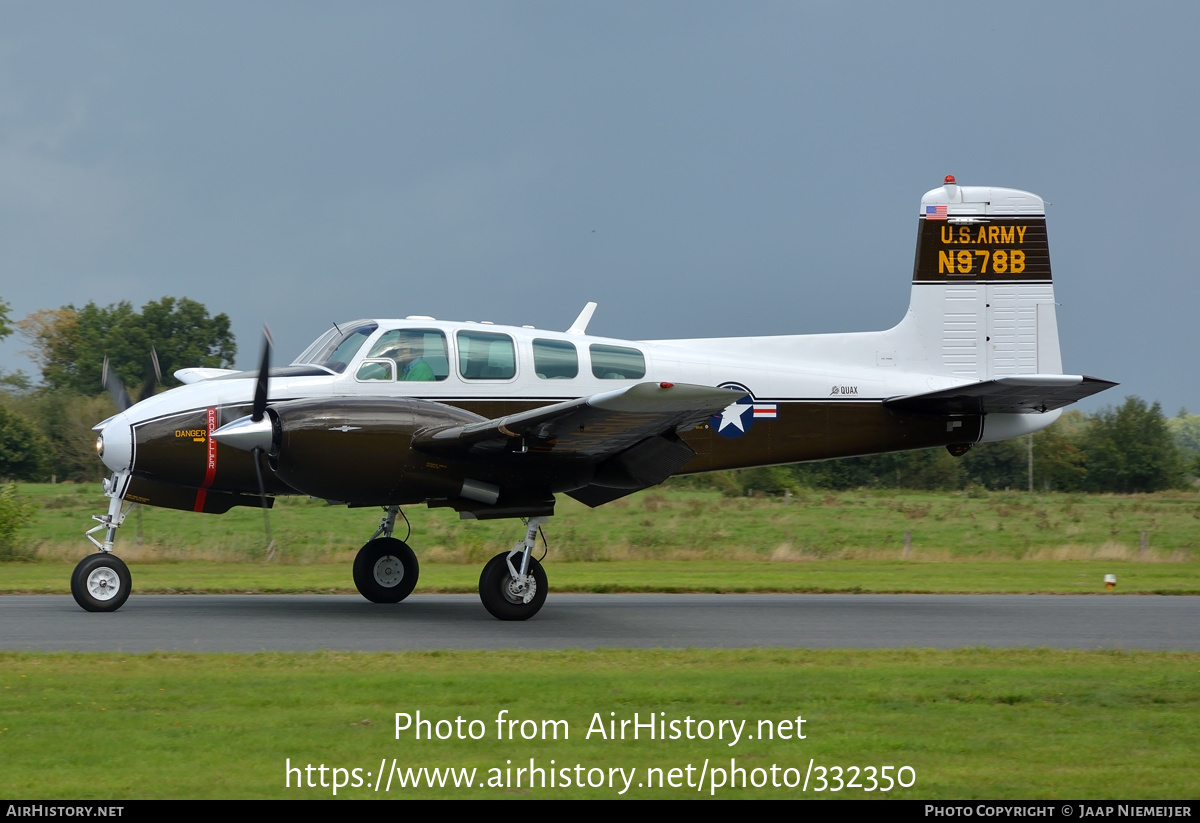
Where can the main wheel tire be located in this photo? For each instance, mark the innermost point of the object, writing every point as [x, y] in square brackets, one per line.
[501, 597]
[386, 570]
[101, 582]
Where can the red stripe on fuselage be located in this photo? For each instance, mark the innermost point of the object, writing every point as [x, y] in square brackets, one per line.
[210, 470]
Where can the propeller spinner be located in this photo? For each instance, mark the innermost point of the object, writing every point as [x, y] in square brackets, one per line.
[254, 432]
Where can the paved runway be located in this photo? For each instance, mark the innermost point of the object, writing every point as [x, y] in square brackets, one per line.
[245, 623]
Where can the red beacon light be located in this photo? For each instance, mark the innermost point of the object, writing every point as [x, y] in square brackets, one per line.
[949, 181]
[665, 385]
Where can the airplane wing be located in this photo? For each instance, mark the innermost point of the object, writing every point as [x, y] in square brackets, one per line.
[588, 427]
[630, 434]
[1019, 394]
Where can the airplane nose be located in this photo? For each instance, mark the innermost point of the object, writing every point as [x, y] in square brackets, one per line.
[115, 443]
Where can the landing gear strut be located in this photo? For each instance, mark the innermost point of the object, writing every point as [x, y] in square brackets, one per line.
[513, 584]
[101, 582]
[386, 569]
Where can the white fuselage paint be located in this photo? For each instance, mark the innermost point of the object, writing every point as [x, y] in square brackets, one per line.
[796, 368]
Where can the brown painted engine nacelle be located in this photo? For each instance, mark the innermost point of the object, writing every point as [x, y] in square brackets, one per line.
[359, 450]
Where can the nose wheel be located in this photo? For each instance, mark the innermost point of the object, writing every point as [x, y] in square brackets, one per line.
[101, 582]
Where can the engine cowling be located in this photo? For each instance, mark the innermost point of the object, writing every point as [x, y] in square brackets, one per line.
[359, 450]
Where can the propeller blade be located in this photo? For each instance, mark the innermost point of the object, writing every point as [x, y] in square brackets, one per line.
[153, 376]
[257, 452]
[258, 412]
[264, 368]
[114, 387]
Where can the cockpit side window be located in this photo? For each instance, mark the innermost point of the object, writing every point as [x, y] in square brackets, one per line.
[336, 348]
[382, 370]
[555, 359]
[617, 362]
[486, 356]
[419, 354]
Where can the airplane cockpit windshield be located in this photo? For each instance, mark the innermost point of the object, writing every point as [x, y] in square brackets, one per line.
[336, 348]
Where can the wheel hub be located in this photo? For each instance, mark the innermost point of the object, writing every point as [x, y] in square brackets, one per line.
[103, 584]
[388, 571]
[519, 592]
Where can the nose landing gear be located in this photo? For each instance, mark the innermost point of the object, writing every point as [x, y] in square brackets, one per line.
[101, 582]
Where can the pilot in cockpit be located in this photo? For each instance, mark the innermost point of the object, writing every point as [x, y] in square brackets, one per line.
[410, 361]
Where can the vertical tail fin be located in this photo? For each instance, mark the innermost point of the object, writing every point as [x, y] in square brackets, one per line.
[982, 296]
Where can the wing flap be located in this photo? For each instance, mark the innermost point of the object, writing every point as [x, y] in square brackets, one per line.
[1019, 394]
[593, 427]
[640, 466]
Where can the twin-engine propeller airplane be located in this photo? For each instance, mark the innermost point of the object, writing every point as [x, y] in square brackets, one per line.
[494, 421]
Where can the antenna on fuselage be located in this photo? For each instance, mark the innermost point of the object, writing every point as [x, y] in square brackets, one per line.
[581, 322]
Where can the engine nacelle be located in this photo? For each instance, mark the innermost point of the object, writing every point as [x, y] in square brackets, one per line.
[359, 450]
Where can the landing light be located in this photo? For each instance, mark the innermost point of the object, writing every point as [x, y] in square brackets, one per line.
[100, 446]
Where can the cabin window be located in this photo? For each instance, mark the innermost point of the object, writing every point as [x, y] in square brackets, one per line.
[555, 359]
[486, 355]
[617, 363]
[418, 354]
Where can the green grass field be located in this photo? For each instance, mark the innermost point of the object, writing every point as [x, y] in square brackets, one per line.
[662, 540]
[668, 523]
[969, 724]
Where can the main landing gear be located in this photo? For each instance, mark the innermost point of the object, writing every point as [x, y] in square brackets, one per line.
[512, 586]
[386, 569]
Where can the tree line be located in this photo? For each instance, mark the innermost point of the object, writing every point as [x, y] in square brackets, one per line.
[45, 426]
[1125, 449]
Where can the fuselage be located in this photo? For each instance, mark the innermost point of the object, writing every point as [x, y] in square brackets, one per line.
[808, 397]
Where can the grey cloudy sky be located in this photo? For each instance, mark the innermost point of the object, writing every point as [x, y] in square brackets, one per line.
[698, 169]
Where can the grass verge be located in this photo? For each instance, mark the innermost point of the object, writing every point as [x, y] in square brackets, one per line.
[970, 723]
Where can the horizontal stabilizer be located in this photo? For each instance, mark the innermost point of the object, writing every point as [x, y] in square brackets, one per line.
[590, 427]
[1019, 394]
